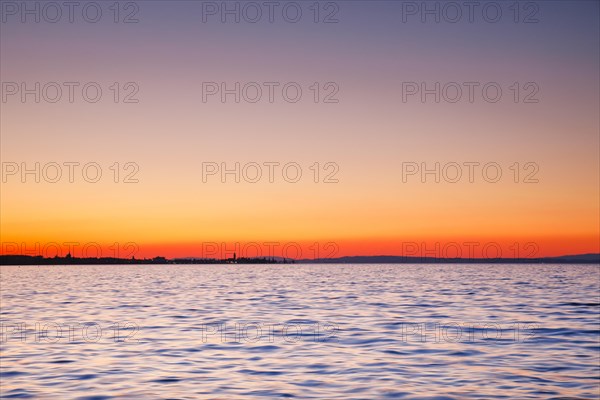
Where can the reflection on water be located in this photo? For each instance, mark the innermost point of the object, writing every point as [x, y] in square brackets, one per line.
[305, 331]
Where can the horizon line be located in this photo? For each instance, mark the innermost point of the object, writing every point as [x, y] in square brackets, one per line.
[12, 259]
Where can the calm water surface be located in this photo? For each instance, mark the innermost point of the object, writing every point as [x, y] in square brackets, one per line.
[301, 331]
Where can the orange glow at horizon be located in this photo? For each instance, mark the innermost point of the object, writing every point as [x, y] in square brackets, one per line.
[467, 247]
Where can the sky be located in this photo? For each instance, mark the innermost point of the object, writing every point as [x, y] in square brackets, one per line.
[513, 169]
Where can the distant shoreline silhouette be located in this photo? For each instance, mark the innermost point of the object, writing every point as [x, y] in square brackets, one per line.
[69, 260]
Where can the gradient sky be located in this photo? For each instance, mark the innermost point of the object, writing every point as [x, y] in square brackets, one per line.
[369, 134]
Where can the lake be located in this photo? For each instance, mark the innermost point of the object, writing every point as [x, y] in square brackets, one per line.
[300, 331]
